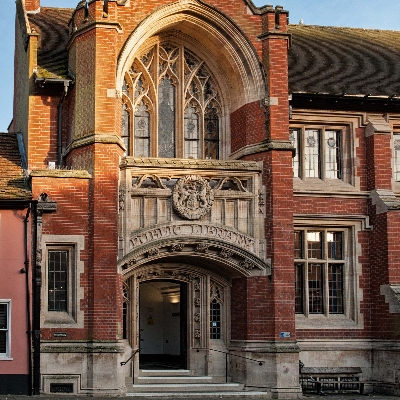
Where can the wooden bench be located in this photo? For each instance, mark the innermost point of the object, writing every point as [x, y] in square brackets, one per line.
[331, 379]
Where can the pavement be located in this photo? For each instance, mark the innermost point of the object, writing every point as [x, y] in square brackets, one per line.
[205, 397]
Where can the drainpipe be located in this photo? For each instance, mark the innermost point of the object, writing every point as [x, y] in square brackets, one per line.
[59, 125]
[36, 286]
[28, 301]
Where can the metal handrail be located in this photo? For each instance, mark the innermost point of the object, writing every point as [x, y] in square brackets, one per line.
[235, 355]
[130, 358]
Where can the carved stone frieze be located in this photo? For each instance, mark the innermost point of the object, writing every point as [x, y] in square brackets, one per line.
[196, 317]
[226, 253]
[201, 247]
[197, 301]
[192, 197]
[177, 247]
[197, 334]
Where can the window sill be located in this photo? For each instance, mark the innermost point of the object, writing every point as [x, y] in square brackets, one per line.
[315, 322]
[5, 358]
[55, 319]
[329, 186]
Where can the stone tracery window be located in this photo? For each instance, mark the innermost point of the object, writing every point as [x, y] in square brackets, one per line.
[175, 103]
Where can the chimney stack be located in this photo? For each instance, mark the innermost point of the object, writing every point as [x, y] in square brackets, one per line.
[32, 5]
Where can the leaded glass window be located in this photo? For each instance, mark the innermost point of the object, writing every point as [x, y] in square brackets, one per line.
[318, 153]
[319, 271]
[58, 263]
[176, 104]
[216, 302]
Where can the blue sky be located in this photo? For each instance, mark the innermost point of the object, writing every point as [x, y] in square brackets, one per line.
[374, 14]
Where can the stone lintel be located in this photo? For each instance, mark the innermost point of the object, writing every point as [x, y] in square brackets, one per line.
[60, 173]
[192, 164]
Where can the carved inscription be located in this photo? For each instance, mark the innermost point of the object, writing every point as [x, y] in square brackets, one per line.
[193, 230]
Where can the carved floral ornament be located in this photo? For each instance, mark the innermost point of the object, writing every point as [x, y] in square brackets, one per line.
[192, 197]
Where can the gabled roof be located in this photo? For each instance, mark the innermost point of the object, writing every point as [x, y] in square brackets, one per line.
[52, 26]
[332, 60]
[12, 182]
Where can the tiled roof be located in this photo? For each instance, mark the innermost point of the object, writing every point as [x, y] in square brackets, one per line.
[12, 182]
[52, 25]
[336, 60]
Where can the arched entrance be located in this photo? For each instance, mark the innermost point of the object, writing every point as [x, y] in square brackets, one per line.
[163, 324]
[178, 316]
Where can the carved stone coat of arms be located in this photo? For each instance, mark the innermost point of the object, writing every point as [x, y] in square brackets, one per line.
[192, 197]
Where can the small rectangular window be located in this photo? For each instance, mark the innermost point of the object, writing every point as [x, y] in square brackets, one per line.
[4, 328]
[396, 156]
[332, 155]
[312, 153]
[215, 320]
[295, 139]
[58, 266]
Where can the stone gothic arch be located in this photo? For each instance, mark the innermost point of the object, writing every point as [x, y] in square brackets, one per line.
[216, 38]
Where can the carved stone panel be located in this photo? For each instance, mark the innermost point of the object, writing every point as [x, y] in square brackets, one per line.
[192, 197]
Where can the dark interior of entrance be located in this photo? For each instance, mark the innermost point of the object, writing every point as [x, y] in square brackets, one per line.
[162, 325]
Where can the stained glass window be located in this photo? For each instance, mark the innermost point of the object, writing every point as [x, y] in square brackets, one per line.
[176, 103]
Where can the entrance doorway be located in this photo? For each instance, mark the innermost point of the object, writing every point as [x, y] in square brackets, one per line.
[162, 325]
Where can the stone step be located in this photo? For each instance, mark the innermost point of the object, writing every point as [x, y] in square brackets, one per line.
[172, 388]
[161, 380]
[166, 372]
[202, 395]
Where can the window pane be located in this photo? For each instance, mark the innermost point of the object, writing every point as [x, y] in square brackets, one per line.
[3, 316]
[334, 240]
[332, 154]
[295, 139]
[211, 133]
[396, 144]
[315, 289]
[299, 289]
[215, 320]
[312, 153]
[314, 245]
[142, 131]
[125, 127]
[166, 118]
[298, 244]
[191, 127]
[3, 342]
[57, 280]
[335, 279]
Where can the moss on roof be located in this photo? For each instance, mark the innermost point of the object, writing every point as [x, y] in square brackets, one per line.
[52, 26]
[12, 180]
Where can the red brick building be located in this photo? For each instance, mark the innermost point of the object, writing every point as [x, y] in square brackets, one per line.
[217, 192]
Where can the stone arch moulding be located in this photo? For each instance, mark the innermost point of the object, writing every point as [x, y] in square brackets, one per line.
[225, 41]
[223, 255]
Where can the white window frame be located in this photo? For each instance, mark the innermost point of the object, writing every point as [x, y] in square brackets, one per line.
[7, 354]
[73, 317]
